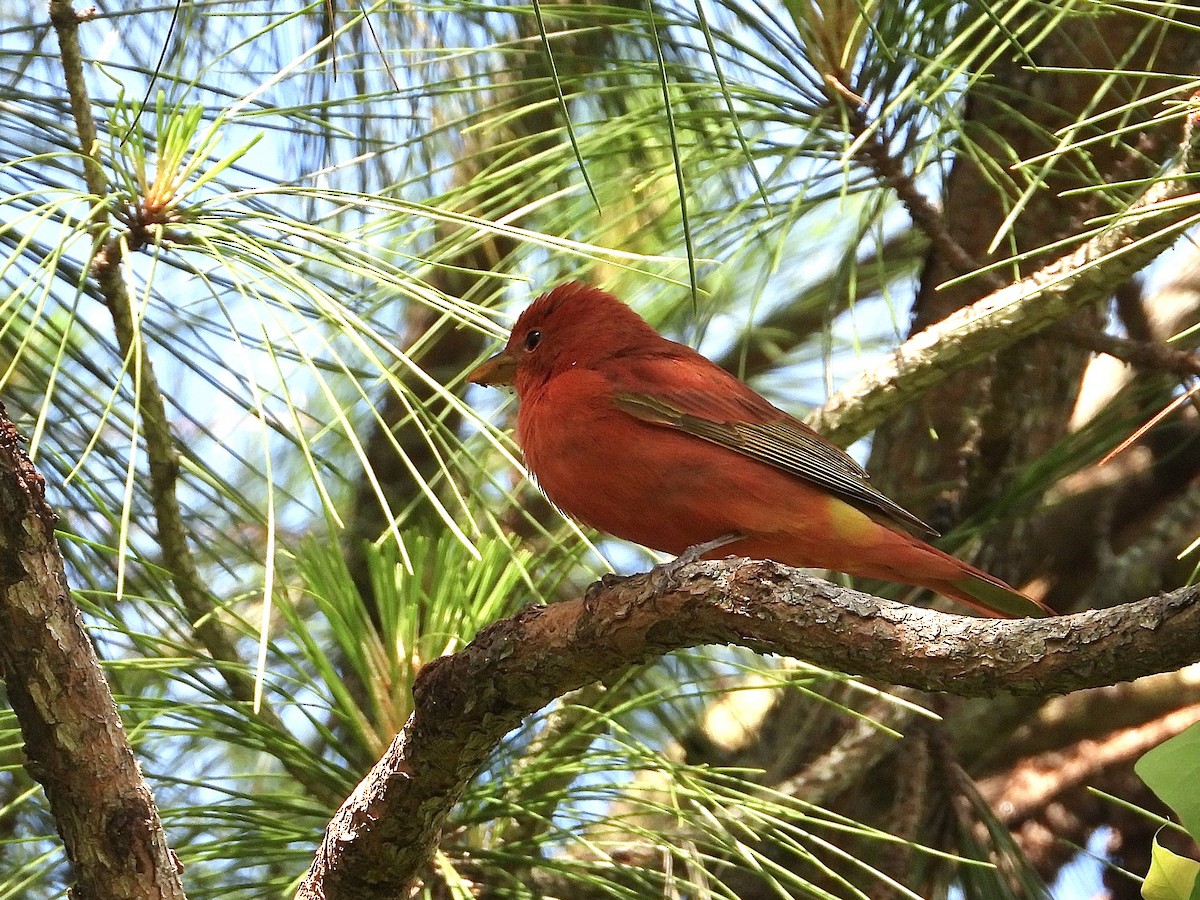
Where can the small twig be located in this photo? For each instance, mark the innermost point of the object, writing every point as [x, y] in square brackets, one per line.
[160, 443]
[1131, 310]
[1142, 351]
[924, 212]
[465, 704]
[66, 25]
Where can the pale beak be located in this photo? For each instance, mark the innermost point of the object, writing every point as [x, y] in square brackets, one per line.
[500, 369]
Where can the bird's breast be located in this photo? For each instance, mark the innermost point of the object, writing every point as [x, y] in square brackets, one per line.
[644, 482]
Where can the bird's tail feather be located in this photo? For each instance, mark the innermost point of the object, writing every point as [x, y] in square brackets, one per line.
[992, 596]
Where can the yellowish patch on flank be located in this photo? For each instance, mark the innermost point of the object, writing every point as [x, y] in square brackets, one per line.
[848, 523]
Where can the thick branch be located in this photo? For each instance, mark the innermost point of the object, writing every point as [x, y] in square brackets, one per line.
[1021, 309]
[465, 704]
[74, 739]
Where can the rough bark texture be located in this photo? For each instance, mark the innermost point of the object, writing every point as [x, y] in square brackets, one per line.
[74, 740]
[466, 703]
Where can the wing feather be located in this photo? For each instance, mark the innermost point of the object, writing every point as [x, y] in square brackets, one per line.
[775, 438]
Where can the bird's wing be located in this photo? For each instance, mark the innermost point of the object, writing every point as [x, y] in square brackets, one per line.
[719, 408]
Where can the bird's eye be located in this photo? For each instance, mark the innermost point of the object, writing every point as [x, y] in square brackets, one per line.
[533, 339]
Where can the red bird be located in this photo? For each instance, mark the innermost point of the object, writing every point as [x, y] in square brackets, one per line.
[645, 439]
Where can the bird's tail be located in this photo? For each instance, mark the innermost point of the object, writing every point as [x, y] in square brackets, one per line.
[991, 596]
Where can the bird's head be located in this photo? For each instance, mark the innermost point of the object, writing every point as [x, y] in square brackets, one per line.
[573, 325]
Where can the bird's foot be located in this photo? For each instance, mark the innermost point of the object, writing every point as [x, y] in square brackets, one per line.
[667, 572]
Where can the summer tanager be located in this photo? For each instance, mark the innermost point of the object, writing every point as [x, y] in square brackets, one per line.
[645, 439]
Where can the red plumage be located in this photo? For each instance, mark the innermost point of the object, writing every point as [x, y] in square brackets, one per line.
[645, 439]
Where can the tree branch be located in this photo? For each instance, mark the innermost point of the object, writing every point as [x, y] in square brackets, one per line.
[160, 445]
[930, 220]
[1027, 788]
[1151, 355]
[74, 740]
[161, 455]
[1143, 352]
[1091, 715]
[466, 703]
[862, 746]
[1026, 307]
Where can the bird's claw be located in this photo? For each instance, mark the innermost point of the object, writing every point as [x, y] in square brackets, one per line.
[665, 574]
[668, 572]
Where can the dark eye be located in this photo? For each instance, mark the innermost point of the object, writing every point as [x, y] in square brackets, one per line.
[533, 339]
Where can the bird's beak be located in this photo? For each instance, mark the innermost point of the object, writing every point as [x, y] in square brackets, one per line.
[500, 369]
